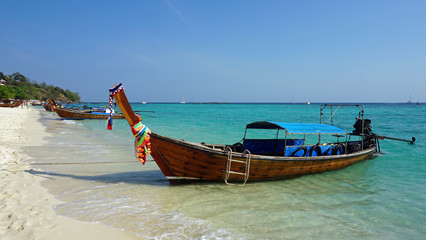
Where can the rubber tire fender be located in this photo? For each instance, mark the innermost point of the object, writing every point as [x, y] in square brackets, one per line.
[301, 148]
[328, 150]
[336, 148]
[312, 150]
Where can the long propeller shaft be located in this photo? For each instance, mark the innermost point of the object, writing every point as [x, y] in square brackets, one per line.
[413, 139]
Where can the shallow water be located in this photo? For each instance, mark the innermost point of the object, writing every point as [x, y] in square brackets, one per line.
[93, 171]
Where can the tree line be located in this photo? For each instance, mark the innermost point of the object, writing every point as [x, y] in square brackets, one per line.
[20, 87]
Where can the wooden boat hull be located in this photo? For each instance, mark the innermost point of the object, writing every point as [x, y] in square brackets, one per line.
[183, 162]
[79, 114]
[16, 103]
[48, 108]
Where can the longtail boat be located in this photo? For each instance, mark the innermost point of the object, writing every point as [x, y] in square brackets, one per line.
[73, 114]
[10, 103]
[48, 105]
[254, 159]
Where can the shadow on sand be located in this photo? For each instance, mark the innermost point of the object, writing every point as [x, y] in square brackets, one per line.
[150, 177]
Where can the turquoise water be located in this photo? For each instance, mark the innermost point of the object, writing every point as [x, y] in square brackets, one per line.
[384, 198]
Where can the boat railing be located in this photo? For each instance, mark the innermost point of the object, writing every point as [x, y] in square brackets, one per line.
[335, 107]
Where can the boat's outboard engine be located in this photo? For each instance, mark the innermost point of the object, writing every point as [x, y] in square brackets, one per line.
[368, 137]
[358, 127]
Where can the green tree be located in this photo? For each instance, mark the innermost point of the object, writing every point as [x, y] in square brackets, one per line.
[19, 93]
[20, 86]
[6, 92]
[19, 77]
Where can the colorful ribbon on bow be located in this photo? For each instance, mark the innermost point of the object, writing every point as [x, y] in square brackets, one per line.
[142, 141]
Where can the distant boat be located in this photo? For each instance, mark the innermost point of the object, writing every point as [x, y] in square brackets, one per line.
[36, 102]
[73, 114]
[47, 106]
[10, 103]
[409, 101]
[182, 102]
[143, 102]
[308, 103]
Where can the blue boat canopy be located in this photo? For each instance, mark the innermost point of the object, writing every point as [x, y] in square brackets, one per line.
[300, 128]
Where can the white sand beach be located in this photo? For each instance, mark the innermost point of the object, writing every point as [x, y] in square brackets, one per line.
[26, 208]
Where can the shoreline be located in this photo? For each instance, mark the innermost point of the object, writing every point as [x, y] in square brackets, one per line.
[27, 208]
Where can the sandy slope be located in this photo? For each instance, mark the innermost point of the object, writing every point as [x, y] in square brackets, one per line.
[25, 206]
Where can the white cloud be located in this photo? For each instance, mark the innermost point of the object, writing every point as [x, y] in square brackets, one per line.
[176, 11]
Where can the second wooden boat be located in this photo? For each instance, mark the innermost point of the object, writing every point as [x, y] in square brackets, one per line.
[10, 103]
[73, 114]
[48, 105]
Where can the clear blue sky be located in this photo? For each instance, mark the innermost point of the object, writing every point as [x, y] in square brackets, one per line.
[235, 51]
